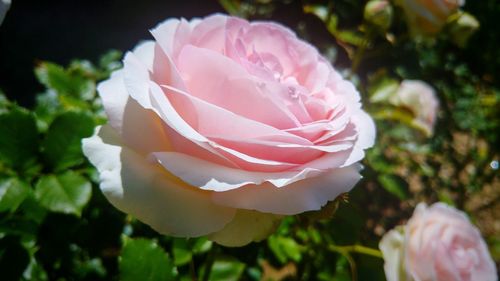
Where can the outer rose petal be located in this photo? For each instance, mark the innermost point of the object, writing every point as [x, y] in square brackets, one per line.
[164, 34]
[392, 247]
[219, 178]
[365, 128]
[247, 226]
[305, 195]
[148, 192]
[139, 128]
[150, 96]
[366, 136]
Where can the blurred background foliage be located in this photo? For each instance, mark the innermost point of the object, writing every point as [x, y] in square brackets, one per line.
[55, 223]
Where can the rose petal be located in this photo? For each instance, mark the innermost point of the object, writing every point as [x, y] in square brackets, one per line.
[247, 226]
[244, 135]
[273, 150]
[144, 51]
[164, 34]
[219, 80]
[317, 78]
[150, 96]
[140, 128]
[211, 34]
[215, 177]
[151, 194]
[344, 88]
[392, 247]
[172, 118]
[366, 136]
[214, 121]
[136, 78]
[301, 196]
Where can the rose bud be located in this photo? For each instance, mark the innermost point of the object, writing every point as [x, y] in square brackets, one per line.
[379, 13]
[463, 28]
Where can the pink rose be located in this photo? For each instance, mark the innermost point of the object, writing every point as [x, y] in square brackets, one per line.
[438, 244]
[429, 16]
[421, 99]
[220, 127]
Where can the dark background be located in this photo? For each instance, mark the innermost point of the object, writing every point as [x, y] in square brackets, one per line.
[61, 30]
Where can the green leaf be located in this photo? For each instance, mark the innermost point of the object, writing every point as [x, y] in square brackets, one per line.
[62, 147]
[4, 102]
[17, 225]
[32, 210]
[181, 251]
[394, 185]
[66, 193]
[65, 82]
[231, 6]
[111, 60]
[352, 37]
[143, 259]
[321, 11]
[18, 139]
[202, 245]
[342, 270]
[47, 106]
[285, 248]
[35, 271]
[398, 114]
[226, 270]
[383, 90]
[12, 194]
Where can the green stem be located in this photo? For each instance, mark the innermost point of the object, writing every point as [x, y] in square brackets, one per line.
[359, 54]
[192, 270]
[209, 262]
[358, 57]
[356, 249]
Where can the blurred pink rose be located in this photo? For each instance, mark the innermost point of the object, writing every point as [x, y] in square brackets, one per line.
[421, 99]
[220, 127]
[438, 244]
[429, 16]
